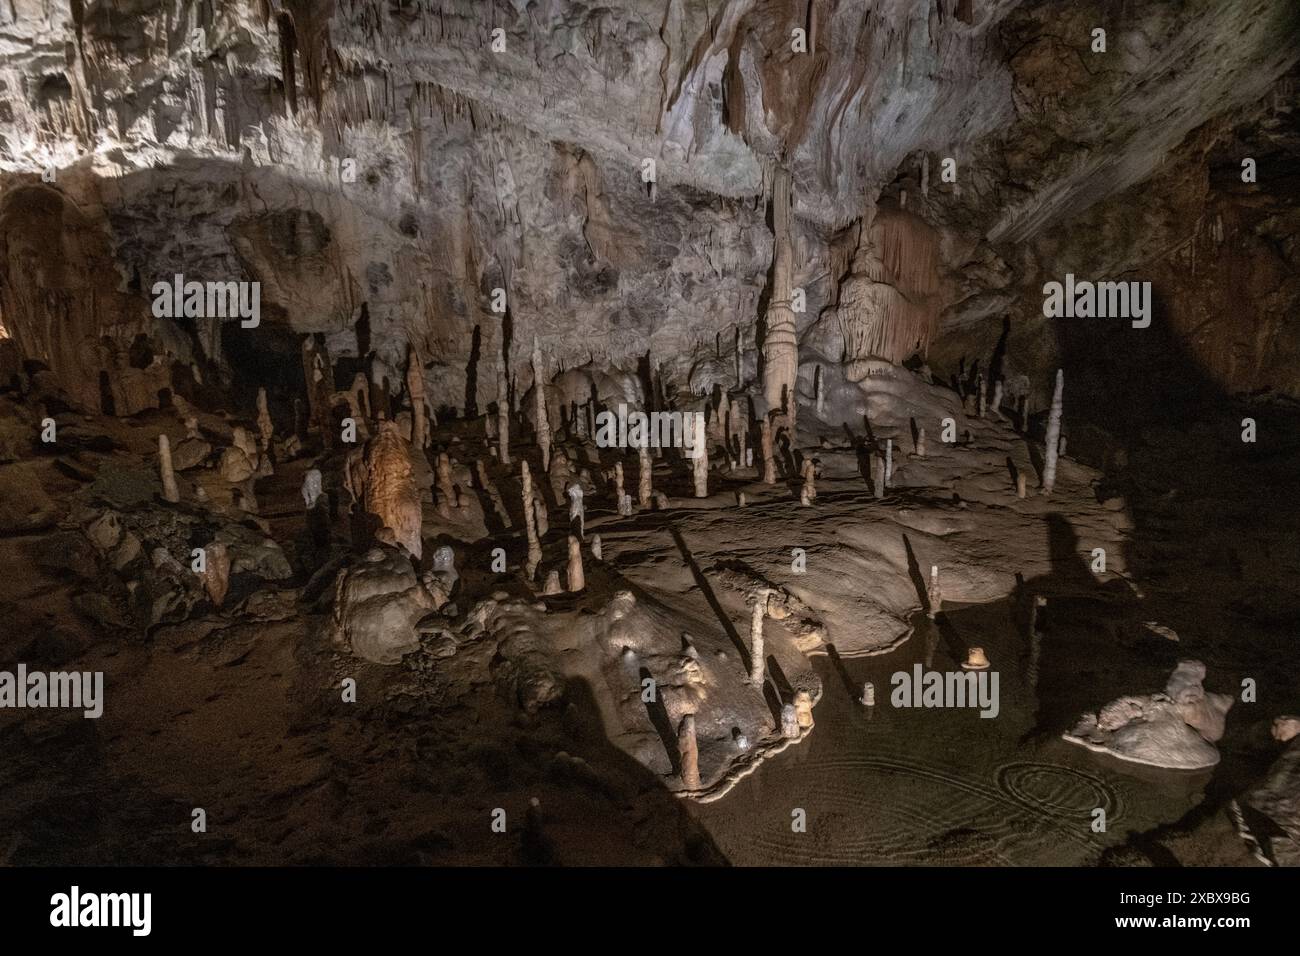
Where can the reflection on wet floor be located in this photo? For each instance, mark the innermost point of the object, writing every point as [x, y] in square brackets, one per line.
[887, 785]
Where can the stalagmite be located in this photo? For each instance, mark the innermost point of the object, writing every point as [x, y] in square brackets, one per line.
[980, 397]
[769, 457]
[780, 345]
[530, 521]
[311, 487]
[415, 391]
[503, 414]
[645, 490]
[740, 499]
[596, 548]
[552, 585]
[819, 388]
[868, 694]
[169, 490]
[700, 462]
[1020, 484]
[808, 494]
[997, 399]
[216, 572]
[264, 426]
[1053, 435]
[688, 752]
[920, 443]
[878, 475]
[933, 593]
[539, 406]
[889, 461]
[1060, 447]
[803, 708]
[756, 659]
[577, 579]
[390, 491]
[789, 722]
[541, 517]
[577, 511]
[618, 485]
[975, 660]
[447, 497]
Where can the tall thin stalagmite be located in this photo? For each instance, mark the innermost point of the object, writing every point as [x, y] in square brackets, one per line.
[756, 652]
[530, 521]
[415, 390]
[769, 455]
[264, 427]
[700, 461]
[169, 490]
[1053, 434]
[539, 406]
[645, 489]
[503, 413]
[780, 346]
[689, 752]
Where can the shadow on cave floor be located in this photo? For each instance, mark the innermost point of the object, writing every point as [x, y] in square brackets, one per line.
[1216, 525]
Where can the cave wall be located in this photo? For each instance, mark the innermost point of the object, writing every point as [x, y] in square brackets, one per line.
[402, 160]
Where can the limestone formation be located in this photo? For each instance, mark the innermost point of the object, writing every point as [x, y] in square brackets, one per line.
[415, 391]
[769, 454]
[889, 462]
[503, 413]
[542, 425]
[933, 594]
[808, 494]
[169, 490]
[311, 487]
[868, 697]
[700, 465]
[618, 484]
[577, 512]
[1174, 730]
[216, 572]
[1021, 484]
[390, 489]
[688, 753]
[552, 585]
[975, 660]
[377, 602]
[756, 651]
[790, 722]
[596, 547]
[645, 490]
[920, 443]
[541, 517]
[577, 580]
[803, 708]
[447, 496]
[265, 428]
[530, 521]
[1053, 435]
[780, 344]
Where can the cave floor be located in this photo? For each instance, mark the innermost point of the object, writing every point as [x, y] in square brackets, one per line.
[239, 713]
